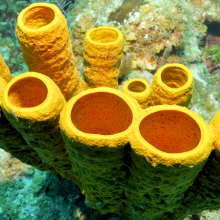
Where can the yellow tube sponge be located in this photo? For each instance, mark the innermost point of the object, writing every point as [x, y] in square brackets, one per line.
[204, 193]
[32, 103]
[3, 84]
[131, 161]
[43, 35]
[5, 72]
[215, 126]
[172, 84]
[139, 89]
[96, 125]
[103, 51]
[12, 141]
[170, 147]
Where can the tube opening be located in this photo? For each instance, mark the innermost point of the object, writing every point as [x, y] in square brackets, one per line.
[104, 35]
[170, 131]
[101, 113]
[27, 92]
[38, 17]
[174, 77]
[137, 86]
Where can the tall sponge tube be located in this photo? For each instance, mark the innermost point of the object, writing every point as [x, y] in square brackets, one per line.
[43, 35]
[170, 147]
[103, 51]
[96, 125]
[205, 191]
[12, 141]
[32, 102]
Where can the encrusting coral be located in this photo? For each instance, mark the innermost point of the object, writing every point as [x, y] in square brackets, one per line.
[11, 168]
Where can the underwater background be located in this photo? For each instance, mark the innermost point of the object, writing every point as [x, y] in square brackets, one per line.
[188, 29]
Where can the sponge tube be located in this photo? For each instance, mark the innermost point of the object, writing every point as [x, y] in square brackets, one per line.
[43, 35]
[32, 103]
[12, 141]
[102, 57]
[172, 84]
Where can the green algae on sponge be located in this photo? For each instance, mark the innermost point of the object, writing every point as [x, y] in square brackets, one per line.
[12, 141]
[32, 102]
[132, 161]
[204, 194]
[170, 147]
[96, 125]
[206, 187]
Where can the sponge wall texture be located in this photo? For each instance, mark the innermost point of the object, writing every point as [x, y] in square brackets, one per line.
[103, 51]
[32, 102]
[203, 194]
[132, 161]
[215, 125]
[96, 125]
[139, 89]
[43, 35]
[172, 84]
[12, 141]
[171, 145]
[5, 71]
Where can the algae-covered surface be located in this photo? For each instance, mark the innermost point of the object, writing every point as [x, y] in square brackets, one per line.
[192, 27]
